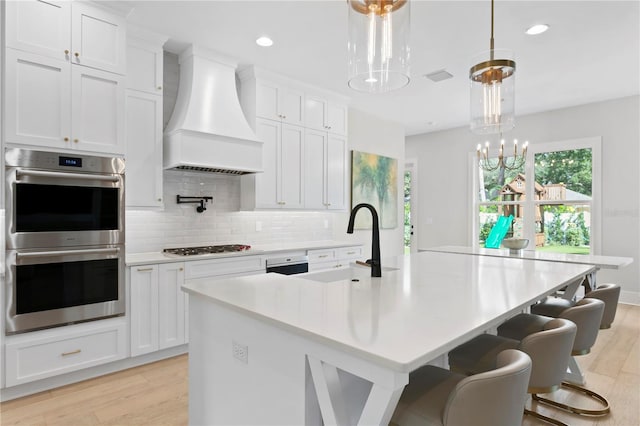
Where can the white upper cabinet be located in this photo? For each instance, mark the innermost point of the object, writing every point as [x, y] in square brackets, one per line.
[276, 102]
[280, 186]
[51, 101]
[40, 27]
[144, 119]
[52, 105]
[337, 173]
[97, 111]
[38, 100]
[144, 66]
[325, 166]
[81, 33]
[322, 114]
[144, 150]
[98, 38]
[305, 144]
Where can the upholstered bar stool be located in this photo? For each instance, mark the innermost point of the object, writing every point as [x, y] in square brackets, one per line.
[609, 293]
[587, 315]
[548, 347]
[435, 396]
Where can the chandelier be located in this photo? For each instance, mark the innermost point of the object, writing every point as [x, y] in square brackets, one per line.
[378, 45]
[510, 163]
[492, 90]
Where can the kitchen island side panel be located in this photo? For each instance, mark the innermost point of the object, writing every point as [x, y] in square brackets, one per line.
[269, 388]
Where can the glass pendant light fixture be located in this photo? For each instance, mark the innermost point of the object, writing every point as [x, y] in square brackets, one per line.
[492, 90]
[378, 45]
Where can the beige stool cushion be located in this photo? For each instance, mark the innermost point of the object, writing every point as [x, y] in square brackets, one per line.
[549, 348]
[586, 314]
[610, 294]
[435, 396]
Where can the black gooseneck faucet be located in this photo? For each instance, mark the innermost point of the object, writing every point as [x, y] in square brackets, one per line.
[376, 267]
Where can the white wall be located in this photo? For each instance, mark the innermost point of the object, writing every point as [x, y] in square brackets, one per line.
[377, 136]
[444, 198]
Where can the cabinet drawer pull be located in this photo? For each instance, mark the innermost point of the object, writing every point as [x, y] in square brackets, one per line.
[77, 351]
[323, 255]
[351, 252]
[144, 269]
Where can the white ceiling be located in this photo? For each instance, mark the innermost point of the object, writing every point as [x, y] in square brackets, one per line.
[591, 52]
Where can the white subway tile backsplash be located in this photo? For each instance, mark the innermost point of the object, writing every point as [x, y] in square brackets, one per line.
[180, 224]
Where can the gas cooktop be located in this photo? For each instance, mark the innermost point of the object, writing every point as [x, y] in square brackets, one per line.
[193, 251]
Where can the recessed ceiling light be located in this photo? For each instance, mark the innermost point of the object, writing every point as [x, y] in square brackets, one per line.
[264, 41]
[537, 29]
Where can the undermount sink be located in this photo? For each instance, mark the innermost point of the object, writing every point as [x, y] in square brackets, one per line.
[350, 273]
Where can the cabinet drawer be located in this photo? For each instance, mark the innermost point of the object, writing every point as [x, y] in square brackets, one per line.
[321, 255]
[348, 253]
[59, 351]
[321, 266]
[224, 266]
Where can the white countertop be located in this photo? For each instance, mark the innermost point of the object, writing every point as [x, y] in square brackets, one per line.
[133, 259]
[601, 262]
[430, 304]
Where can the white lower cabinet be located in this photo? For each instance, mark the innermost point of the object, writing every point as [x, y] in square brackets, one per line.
[333, 258]
[41, 354]
[157, 307]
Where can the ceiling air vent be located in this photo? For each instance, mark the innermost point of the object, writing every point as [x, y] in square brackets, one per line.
[439, 75]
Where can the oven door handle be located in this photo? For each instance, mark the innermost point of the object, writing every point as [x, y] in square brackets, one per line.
[39, 173]
[31, 255]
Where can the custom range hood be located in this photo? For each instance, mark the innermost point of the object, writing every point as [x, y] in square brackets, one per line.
[208, 131]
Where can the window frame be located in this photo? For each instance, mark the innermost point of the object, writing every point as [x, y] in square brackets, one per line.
[529, 205]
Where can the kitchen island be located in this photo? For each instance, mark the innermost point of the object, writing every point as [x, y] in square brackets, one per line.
[337, 347]
[589, 283]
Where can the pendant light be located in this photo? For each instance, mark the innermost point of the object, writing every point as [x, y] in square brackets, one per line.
[378, 45]
[492, 90]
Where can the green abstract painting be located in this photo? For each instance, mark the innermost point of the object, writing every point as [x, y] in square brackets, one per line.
[374, 180]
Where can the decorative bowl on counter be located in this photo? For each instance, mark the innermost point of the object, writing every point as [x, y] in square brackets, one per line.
[515, 244]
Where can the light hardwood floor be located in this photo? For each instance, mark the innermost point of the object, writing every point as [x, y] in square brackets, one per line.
[156, 394]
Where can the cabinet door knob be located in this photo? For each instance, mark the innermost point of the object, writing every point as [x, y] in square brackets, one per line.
[180, 269]
[66, 139]
[159, 87]
[159, 199]
[75, 140]
[77, 55]
[66, 51]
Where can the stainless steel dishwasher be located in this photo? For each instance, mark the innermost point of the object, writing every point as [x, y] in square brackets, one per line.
[288, 265]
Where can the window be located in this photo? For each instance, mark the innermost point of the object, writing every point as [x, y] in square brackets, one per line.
[563, 213]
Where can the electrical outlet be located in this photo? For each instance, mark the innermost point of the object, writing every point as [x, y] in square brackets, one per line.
[240, 352]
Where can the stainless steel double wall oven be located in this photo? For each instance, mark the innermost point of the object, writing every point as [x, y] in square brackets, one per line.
[64, 239]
